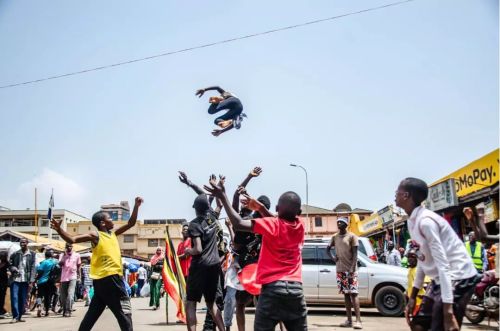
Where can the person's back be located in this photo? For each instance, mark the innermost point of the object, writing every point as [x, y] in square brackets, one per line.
[205, 228]
[45, 269]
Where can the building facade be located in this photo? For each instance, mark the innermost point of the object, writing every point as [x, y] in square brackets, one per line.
[120, 212]
[36, 222]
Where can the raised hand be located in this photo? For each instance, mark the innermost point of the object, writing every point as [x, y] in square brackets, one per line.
[215, 189]
[139, 201]
[222, 179]
[183, 178]
[250, 203]
[469, 214]
[241, 190]
[256, 172]
[200, 93]
[55, 224]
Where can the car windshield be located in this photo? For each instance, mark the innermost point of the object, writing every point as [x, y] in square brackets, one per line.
[361, 255]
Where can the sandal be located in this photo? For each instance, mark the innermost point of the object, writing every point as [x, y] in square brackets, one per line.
[346, 324]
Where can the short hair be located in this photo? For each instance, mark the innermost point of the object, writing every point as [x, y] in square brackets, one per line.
[48, 253]
[417, 189]
[98, 217]
[185, 225]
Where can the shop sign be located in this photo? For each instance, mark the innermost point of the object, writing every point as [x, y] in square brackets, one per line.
[490, 211]
[442, 195]
[475, 176]
[386, 214]
[371, 223]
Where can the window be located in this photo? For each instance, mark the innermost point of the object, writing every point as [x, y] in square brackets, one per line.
[55, 237]
[129, 252]
[323, 256]
[74, 229]
[153, 242]
[318, 221]
[128, 238]
[309, 255]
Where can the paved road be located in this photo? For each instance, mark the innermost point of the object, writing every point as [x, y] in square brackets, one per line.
[321, 319]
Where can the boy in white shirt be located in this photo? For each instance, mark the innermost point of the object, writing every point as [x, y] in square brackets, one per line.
[442, 257]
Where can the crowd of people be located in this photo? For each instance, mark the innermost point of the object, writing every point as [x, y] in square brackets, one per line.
[260, 262]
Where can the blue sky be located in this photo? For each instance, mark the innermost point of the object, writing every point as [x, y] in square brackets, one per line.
[361, 101]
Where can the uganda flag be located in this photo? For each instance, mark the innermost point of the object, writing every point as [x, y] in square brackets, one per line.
[173, 279]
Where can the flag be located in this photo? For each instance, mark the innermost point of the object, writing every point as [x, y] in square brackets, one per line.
[173, 279]
[51, 206]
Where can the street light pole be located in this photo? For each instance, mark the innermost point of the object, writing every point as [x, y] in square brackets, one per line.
[307, 194]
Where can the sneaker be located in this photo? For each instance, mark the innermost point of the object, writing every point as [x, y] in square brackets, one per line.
[237, 122]
[346, 324]
[21, 320]
[13, 321]
[357, 326]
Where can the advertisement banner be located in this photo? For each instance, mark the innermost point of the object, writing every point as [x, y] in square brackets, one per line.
[475, 176]
[386, 214]
[442, 196]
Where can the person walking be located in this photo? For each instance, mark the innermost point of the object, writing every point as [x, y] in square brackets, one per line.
[105, 268]
[442, 257]
[155, 280]
[46, 284]
[346, 260]
[23, 273]
[142, 276]
[70, 263]
[87, 282]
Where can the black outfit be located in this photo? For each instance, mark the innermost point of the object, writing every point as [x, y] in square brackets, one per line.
[45, 292]
[4, 283]
[281, 301]
[109, 291]
[205, 268]
[232, 104]
[430, 314]
[248, 249]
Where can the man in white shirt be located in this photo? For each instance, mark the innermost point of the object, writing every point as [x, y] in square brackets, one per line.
[442, 257]
[142, 275]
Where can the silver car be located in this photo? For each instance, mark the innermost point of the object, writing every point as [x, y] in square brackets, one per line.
[380, 285]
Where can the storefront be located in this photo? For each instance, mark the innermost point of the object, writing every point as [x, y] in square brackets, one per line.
[474, 185]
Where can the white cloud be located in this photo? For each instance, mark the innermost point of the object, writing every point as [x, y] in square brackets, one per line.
[68, 193]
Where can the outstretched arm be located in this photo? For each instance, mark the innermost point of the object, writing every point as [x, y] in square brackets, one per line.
[218, 190]
[184, 179]
[200, 92]
[218, 132]
[478, 227]
[133, 218]
[93, 237]
[236, 197]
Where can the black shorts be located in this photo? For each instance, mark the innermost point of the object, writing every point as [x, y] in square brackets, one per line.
[243, 297]
[202, 281]
[430, 313]
[281, 301]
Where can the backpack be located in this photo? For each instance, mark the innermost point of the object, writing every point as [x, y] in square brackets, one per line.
[55, 274]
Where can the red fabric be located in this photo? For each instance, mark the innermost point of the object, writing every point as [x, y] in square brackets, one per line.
[280, 254]
[248, 279]
[185, 263]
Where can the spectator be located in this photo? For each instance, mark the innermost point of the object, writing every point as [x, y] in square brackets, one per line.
[4, 281]
[346, 259]
[142, 276]
[23, 270]
[70, 263]
[393, 255]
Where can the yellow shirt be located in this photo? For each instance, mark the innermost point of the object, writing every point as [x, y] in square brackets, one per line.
[412, 273]
[106, 257]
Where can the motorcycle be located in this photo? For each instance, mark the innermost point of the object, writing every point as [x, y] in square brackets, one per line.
[485, 300]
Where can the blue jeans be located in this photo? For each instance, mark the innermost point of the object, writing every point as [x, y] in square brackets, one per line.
[229, 305]
[18, 296]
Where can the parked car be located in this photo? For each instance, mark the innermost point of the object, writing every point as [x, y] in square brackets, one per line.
[380, 285]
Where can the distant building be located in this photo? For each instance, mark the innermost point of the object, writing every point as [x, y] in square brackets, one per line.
[24, 221]
[322, 222]
[119, 212]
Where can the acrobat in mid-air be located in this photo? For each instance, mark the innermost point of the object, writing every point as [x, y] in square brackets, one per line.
[226, 101]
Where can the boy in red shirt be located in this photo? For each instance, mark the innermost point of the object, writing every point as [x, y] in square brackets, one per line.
[280, 264]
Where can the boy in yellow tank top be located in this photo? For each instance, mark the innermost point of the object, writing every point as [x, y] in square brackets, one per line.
[105, 268]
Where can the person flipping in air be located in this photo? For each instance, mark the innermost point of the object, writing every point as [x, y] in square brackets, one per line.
[226, 101]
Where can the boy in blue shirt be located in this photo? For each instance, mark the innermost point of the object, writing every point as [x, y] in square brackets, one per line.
[46, 286]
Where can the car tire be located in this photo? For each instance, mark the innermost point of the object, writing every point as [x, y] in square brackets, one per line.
[390, 301]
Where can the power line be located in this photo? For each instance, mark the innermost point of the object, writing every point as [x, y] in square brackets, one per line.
[184, 50]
